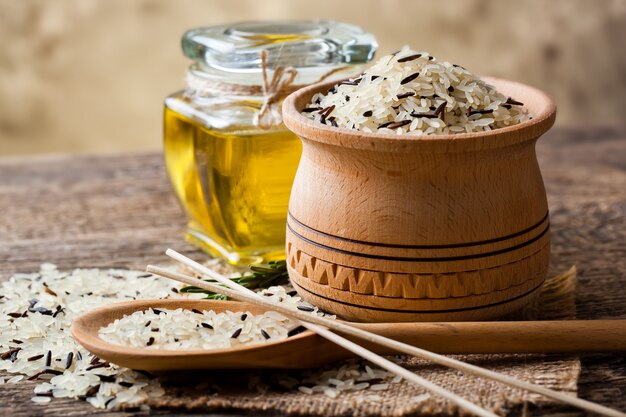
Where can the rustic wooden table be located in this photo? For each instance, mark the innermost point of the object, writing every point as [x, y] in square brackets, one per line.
[119, 211]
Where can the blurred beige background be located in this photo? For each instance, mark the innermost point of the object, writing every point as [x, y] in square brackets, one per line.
[90, 75]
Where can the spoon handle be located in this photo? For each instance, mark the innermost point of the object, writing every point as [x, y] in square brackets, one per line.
[508, 336]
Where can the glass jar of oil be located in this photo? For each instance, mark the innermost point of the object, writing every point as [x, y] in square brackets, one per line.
[230, 159]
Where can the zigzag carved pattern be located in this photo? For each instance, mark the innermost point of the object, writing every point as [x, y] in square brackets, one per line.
[388, 284]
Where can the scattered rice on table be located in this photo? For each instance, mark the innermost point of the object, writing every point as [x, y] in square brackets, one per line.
[353, 375]
[36, 311]
[413, 93]
[420, 398]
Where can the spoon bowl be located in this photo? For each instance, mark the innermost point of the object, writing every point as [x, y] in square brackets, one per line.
[308, 350]
[272, 354]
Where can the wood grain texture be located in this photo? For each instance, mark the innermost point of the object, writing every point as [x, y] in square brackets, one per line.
[385, 227]
[119, 211]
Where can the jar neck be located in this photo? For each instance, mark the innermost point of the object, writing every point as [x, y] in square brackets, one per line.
[204, 82]
[210, 82]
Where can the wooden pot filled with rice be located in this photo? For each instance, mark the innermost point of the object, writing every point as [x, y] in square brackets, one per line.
[418, 196]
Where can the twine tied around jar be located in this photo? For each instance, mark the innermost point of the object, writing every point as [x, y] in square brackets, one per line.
[273, 90]
[277, 89]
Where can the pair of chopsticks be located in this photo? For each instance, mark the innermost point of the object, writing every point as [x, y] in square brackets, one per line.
[314, 323]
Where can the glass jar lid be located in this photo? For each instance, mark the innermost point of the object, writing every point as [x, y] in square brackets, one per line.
[298, 44]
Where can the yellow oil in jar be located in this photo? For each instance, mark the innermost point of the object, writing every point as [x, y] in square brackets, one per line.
[234, 185]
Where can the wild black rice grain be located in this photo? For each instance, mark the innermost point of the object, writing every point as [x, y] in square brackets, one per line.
[41, 310]
[396, 125]
[514, 102]
[472, 112]
[409, 58]
[53, 372]
[9, 353]
[92, 391]
[439, 110]
[409, 78]
[327, 111]
[106, 378]
[425, 115]
[405, 95]
[295, 331]
[96, 366]
[58, 311]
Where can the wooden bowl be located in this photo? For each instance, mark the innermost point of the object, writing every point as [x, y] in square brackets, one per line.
[386, 227]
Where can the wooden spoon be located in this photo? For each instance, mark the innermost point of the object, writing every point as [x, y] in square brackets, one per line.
[307, 350]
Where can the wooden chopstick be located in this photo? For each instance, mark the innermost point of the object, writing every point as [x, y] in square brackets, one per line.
[381, 340]
[242, 293]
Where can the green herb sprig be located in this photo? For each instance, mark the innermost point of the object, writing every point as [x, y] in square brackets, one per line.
[262, 276]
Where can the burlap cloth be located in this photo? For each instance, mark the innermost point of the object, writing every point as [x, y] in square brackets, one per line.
[237, 391]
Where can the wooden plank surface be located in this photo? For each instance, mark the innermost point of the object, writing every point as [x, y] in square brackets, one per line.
[119, 211]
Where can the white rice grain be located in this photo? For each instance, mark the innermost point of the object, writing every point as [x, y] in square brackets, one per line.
[15, 379]
[420, 398]
[41, 400]
[329, 392]
[305, 390]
